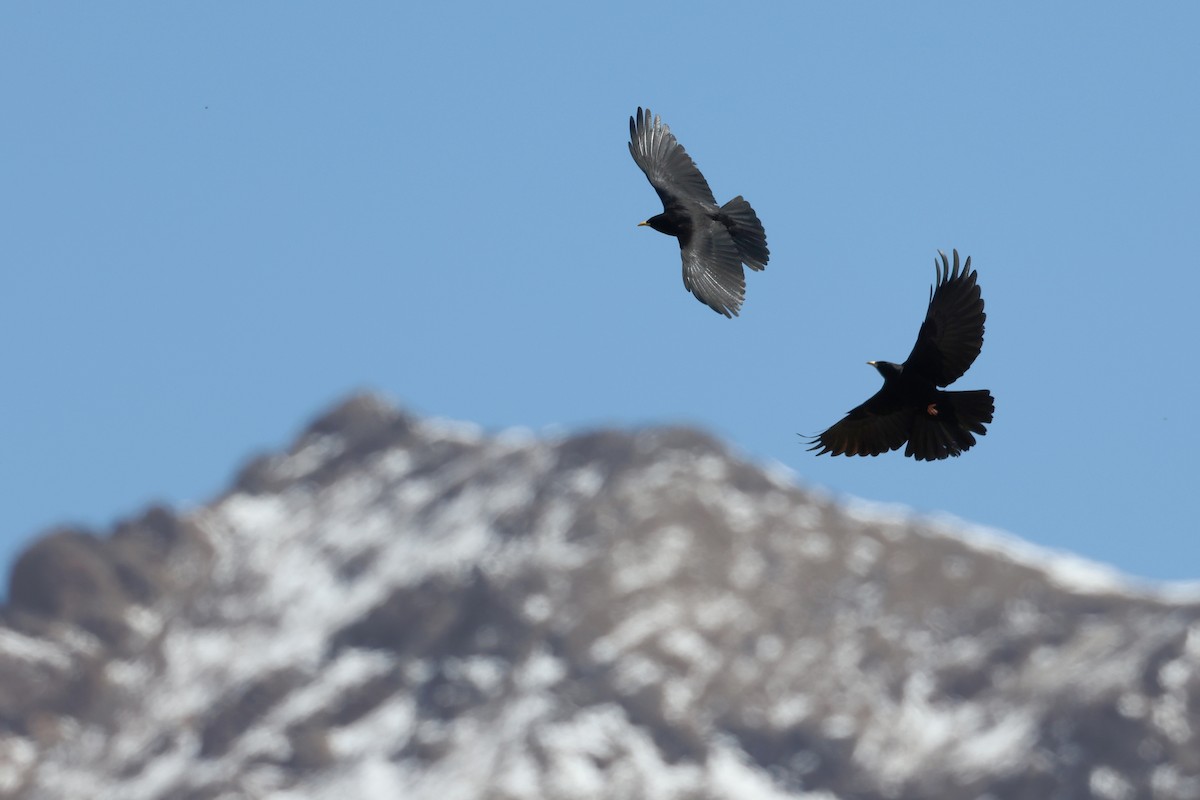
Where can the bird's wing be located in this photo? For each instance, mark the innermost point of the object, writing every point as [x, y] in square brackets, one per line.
[712, 268]
[952, 334]
[877, 426]
[667, 165]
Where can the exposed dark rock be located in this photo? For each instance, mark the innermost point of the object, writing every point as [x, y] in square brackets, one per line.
[236, 712]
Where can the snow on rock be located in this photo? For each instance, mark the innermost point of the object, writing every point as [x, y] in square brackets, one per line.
[397, 607]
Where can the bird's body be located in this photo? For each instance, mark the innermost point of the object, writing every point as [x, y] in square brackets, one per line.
[714, 241]
[910, 407]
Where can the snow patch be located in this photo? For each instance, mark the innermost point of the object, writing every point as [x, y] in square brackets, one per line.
[17, 756]
[316, 452]
[652, 560]
[541, 670]
[31, 650]
[380, 732]
[1108, 784]
[730, 774]
[639, 626]
[1066, 570]
[921, 733]
[439, 429]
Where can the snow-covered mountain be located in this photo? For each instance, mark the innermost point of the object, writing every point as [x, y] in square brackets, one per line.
[402, 608]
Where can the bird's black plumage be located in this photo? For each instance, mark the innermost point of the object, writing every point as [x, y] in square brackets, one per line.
[714, 240]
[910, 407]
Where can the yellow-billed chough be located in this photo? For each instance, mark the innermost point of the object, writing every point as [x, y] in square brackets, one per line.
[714, 240]
[910, 407]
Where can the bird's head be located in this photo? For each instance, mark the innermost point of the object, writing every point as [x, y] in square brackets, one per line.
[659, 223]
[887, 369]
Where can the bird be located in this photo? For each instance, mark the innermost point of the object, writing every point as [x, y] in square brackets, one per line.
[714, 241]
[910, 407]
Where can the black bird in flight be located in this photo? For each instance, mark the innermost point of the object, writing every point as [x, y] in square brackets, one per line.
[714, 240]
[910, 407]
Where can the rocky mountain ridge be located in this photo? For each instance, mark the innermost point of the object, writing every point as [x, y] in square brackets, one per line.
[397, 607]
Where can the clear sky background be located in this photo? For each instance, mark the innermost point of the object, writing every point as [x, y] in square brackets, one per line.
[218, 219]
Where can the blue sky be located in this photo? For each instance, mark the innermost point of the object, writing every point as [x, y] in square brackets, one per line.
[218, 220]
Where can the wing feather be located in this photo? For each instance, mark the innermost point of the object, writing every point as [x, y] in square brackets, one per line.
[877, 426]
[952, 334]
[667, 165]
[712, 269]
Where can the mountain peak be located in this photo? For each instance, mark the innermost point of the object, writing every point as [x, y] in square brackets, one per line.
[401, 607]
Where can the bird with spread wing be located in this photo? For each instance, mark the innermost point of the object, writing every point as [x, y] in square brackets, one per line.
[714, 240]
[910, 407]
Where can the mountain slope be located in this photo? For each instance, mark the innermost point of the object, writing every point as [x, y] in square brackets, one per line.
[403, 608]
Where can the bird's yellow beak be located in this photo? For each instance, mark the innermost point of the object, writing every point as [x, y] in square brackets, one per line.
[640, 224]
[871, 363]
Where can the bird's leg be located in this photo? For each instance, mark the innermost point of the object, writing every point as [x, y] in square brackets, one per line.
[931, 409]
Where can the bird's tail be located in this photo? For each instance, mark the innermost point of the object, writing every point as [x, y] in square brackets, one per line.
[747, 232]
[948, 432]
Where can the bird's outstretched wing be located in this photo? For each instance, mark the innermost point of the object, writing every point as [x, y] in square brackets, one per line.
[952, 334]
[667, 165]
[712, 269]
[877, 426]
